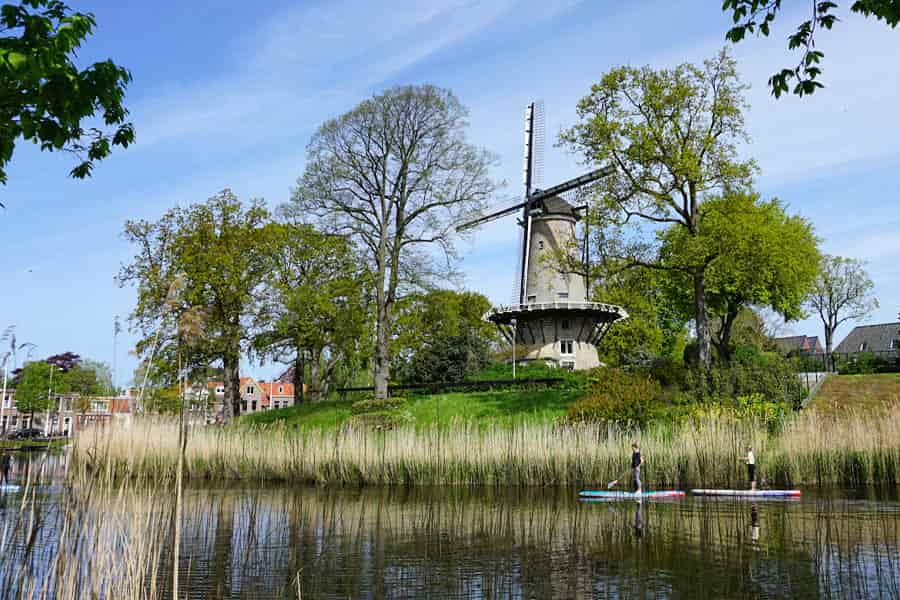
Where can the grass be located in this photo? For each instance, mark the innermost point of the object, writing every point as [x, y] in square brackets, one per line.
[17, 444]
[438, 410]
[842, 393]
[862, 449]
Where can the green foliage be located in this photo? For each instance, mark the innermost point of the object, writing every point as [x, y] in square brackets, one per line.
[423, 318]
[314, 309]
[502, 371]
[672, 136]
[45, 98]
[616, 396]
[865, 363]
[33, 387]
[448, 359]
[376, 405]
[750, 373]
[653, 330]
[755, 16]
[163, 400]
[754, 254]
[199, 269]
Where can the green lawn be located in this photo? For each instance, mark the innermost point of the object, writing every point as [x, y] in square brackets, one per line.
[439, 409]
[842, 393]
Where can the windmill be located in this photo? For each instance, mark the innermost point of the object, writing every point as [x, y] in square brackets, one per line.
[550, 314]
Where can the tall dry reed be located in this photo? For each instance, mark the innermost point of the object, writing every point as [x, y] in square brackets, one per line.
[857, 450]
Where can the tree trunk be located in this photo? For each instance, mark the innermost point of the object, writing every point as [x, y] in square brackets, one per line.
[232, 402]
[703, 337]
[829, 337]
[724, 342]
[299, 374]
[315, 381]
[382, 352]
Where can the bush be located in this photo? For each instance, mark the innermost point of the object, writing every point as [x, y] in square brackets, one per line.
[766, 374]
[533, 370]
[375, 405]
[864, 363]
[615, 396]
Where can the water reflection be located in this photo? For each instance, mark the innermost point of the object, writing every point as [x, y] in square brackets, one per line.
[252, 542]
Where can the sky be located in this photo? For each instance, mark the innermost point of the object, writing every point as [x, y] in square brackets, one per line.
[227, 95]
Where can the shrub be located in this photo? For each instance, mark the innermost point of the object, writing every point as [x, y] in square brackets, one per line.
[375, 405]
[766, 374]
[615, 396]
[864, 363]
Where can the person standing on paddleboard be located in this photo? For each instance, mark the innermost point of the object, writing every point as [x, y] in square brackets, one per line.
[750, 459]
[636, 461]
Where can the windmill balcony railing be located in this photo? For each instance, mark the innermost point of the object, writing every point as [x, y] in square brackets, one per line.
[572, 305]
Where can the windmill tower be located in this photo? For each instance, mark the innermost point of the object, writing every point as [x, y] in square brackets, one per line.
[551, 315]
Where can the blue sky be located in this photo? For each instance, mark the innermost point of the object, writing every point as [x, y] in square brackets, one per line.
[227, 94]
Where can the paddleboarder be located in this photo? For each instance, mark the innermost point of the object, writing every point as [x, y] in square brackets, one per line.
[636, 461]
[750, 459]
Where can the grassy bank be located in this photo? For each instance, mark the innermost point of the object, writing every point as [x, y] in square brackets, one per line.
[32, 444]
[438, 410]
[840, 393]
[811, 450]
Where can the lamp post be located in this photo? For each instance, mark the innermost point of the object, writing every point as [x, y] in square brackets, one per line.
[513, 323]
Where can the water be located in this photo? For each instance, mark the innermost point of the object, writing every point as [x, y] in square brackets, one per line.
[266, 542]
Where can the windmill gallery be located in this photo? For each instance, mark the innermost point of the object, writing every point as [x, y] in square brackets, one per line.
[551, 316]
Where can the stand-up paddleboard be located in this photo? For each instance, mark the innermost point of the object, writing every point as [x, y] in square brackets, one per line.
[751, 493]
[608, 495]
[9, 487]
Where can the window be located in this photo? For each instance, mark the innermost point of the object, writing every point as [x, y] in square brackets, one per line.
[864, 346]
[220, 390]
[249, 389]
[895, 344]
[280, 389]
[531, 298]
[540, 244]
[253, 406]
[568, 365]
[565, 324]
[566, 346]
[563, 295]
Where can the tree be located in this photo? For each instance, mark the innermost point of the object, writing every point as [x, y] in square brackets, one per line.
[671, 136]
[102, 375]
[843, 291]
[753, 254]
[315, 308]
[45, 98]
[33, 386]
[755, 16]
[449, 358]
[428, 324]
[396, 174]
[65, 362]
[214, 250]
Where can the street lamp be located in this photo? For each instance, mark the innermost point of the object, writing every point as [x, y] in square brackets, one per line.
[513, 323]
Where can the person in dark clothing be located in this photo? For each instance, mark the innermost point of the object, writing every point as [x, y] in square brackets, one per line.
[5, 463]
[636, 461]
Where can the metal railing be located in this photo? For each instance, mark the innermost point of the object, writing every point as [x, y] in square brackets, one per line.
[558, 305]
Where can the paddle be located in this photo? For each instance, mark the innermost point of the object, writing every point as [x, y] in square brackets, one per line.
[612, 483]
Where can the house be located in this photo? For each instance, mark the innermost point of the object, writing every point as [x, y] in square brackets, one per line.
[802, 345]
[256, 396]
[279, 394]
[882, 339]
[68, 416]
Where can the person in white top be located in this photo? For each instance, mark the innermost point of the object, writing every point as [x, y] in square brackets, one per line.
[751, 467]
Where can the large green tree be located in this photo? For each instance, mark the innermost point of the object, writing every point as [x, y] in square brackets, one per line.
[441, 327]
[396, 174]
[756, 16]
[45, 98]
[752, 253]
[842, 292]
[215, 251]
[33, 387]
[671, 135]
[315, 309]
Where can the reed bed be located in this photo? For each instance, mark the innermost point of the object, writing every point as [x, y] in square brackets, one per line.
[857, 449]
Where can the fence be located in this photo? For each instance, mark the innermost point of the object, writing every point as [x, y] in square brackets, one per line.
[880, 361]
